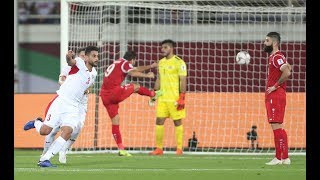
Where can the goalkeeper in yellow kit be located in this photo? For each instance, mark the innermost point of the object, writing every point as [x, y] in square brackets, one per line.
[171, 81]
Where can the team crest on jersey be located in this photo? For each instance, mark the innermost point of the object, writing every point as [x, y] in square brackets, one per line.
[280, 61]
[170, 67]
[183, 67]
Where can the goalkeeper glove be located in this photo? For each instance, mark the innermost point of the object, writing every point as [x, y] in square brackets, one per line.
[180, 101]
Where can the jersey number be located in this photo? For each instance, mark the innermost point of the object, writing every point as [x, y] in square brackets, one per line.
[49, 116]
[109, 70]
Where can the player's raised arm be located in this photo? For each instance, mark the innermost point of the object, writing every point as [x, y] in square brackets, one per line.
[144, 68]
[63, 75]
[135, 73]
[62, 78]
[70, 58]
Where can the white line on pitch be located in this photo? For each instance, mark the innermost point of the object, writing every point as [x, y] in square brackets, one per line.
[162, 157]
[155, 170]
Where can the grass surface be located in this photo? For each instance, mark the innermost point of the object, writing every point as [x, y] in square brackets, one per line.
[169, 166]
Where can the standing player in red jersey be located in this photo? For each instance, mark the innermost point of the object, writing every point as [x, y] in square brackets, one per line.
[279, 71]
[112, 92]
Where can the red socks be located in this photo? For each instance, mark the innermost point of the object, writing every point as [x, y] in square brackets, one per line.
[117, 136]
[281, 143]
[285, 153]
[145, 91]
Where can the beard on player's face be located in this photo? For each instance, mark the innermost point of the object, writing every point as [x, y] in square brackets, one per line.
[93, 64]
[268, 49]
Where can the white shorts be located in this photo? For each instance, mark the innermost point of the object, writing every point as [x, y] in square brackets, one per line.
[82, 116]
[83, 113]
[61, 113]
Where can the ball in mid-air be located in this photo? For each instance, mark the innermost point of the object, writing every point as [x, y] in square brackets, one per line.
[243, 57]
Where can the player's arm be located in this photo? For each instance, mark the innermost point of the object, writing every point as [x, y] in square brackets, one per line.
[70, 58]
[62, 78]
[182, 92]
[89, 89]
[157, 84]
[286, 72]
[182, 86]
[144, 68]
[63, 75]
[135, 73]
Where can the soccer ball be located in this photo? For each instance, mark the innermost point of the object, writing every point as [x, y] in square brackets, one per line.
[243, 57]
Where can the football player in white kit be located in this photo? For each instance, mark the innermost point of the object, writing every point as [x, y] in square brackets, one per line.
[83, 112]
[64, 111]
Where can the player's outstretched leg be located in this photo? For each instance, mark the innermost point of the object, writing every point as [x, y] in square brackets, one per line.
[30, 124]
[124, 153]
[155, 97]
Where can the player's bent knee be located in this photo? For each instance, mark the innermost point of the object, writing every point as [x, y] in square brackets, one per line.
[45, 130]
[177, 123]
[160, 121]
[66, 132]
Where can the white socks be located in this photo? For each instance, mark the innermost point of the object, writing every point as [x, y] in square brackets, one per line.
[69, 143]
[48, 141]
[54, 148]
[37, 125]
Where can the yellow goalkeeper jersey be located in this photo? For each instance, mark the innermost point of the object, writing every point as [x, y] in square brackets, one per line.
[169, 71]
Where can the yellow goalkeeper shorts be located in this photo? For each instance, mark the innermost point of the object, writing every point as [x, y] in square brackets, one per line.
[169, 110]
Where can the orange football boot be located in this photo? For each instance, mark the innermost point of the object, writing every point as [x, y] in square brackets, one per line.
[157, 151]
[179, 152]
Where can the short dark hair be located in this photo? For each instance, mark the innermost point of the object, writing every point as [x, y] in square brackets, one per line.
[88, 49]
[275, 35]
[169, 41]
[80, 49]
[129, 55]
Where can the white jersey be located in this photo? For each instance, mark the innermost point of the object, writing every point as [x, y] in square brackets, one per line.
[84, 100]
[79, 79]
[65, 72]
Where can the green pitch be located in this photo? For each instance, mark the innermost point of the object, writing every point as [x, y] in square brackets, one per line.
[166, 167]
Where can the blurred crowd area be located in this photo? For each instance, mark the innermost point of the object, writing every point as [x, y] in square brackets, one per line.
[39, 12]
[48, 12]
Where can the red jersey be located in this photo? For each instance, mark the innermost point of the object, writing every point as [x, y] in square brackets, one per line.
[115, 74]
[276, 60]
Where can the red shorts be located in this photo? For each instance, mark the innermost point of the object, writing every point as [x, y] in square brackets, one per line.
[112, 98]
[275, 105]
